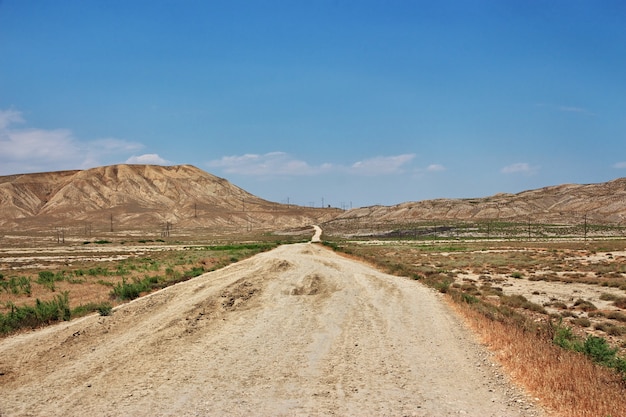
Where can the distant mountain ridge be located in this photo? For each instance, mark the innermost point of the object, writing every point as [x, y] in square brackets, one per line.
[603, 203]
[139, 196]
[125, 197]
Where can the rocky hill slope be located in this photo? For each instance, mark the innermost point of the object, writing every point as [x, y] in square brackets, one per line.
[603, 203]
[124, 197]
[150, 197]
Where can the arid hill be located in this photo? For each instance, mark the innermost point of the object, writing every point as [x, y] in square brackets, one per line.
[603, 203]
[153, 198]
[140, 197]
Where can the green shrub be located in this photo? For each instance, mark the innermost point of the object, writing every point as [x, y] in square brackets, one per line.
[46, 278]
[43, 312]
[17, 285]
[128, 291]
[598, 349]
[565, 338]
[193, 272]
[98, 271]
[105, 309]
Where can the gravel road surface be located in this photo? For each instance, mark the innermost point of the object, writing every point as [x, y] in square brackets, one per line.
[296, 331]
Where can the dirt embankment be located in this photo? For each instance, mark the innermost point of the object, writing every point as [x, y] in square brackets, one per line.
[295, 331]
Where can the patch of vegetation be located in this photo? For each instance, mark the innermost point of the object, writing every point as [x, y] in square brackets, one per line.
[616, 315]
[104, 308]
[129, 291]
[582, 322]
[46, 278]
[620, 302]
[17, 285]
[519, 301]
[596, 348]
[585, 305]
[43, 312]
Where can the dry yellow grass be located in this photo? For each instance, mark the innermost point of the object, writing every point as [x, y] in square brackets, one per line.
[567, 383]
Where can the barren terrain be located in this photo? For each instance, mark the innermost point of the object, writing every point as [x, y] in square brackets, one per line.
[298, 330]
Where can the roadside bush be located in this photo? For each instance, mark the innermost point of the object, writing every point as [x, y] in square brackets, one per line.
[599, 350]
[104, 308]
[43, 312]
[129, 291]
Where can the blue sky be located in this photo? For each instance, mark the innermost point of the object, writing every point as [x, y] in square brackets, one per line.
[350, 102]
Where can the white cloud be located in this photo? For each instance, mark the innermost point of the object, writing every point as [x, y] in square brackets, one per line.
[620, 165]
[30, 149]
[282, 164]
[381, 165]
[148, 158]
[269, 164]
[8, 117]
[520, 168]
[435, 168]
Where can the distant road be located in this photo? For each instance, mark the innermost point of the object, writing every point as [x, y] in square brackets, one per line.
[318, 234]
[296, 331]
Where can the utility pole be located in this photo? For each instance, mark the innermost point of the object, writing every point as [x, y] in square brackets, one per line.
[111, 222]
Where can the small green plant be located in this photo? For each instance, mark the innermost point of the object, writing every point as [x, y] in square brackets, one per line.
[46, 278]
[105, 309]
[565, 338]
[128, 291]
[17, 285]
[517, 275]
[598, 349]
[43, 312]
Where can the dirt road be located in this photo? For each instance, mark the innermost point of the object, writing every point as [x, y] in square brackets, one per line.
[297, 331]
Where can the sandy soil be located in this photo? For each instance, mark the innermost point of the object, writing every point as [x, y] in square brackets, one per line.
[295, 331]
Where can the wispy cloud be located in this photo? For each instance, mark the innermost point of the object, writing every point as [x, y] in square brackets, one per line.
[620, 165]
[274, 164]
[520, 168]
[566, 109]
[435, 168]
[8, 117]
[269, 164]
[26, 149]
[381, 165]
[147, 158]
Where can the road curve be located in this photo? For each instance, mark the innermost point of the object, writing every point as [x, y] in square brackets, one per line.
[317, 236]
[296, 331]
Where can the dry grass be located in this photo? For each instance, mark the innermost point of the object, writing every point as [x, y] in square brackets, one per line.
[473, 274]
[567, 383]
